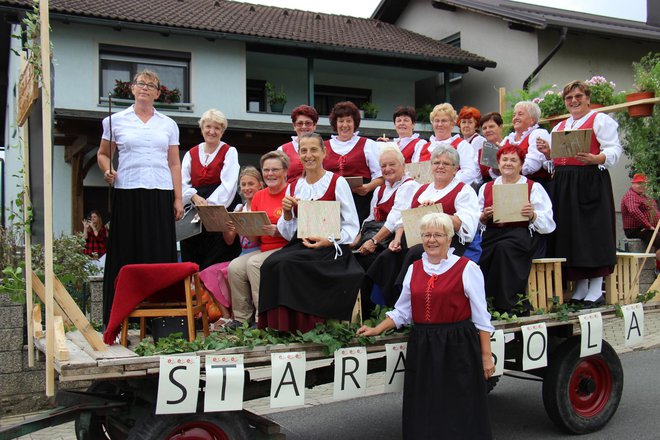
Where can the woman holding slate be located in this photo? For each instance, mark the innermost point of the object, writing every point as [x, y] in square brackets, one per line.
[316, 278]
[209, 175]
[583, 200]
[449, 355]
[508, 247]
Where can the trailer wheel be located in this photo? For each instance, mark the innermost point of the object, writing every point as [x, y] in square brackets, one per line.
[211, 426]
[97, 429]
[581, 395]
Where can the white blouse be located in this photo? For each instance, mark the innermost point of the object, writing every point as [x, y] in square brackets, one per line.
[544, 223]
[402, 200]
[469, 170]
[605, 129]
[371, 152]
[142, 149]
[294, 141]
[534, 159]
[466, 204]
[403, 143]
[473, 284]
[223, 194]
[477, 141]
[350, 225]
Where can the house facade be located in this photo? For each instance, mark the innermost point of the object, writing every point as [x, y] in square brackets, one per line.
[217, 54]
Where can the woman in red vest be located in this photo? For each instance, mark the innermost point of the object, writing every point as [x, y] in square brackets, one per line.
[468, 125]
[209, 176]
[404, 123]
[508, 248]
[583, 200]
[526, 133]
[449, 353]
[443, 118]
[304, 119]
[350, 155]
[316, 278]
[491, 128]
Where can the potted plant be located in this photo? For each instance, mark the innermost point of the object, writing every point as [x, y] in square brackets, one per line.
[276, 99]
[602, 91]
[551, 105]
[646, 74]
[122, 90]
[370, 110]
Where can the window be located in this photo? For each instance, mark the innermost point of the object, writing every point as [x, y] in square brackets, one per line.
[122, 63]
[454, 40]
[325, 97]
[255, 95]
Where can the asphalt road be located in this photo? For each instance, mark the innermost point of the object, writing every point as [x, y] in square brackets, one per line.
[516, 410]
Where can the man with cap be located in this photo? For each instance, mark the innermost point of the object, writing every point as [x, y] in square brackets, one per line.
[640, 215]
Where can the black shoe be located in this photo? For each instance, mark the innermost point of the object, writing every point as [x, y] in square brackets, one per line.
[594, 304]
[233, 324]
[576, 302]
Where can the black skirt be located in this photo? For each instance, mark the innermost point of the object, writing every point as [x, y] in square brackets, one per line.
[583, 207]
[310, 281]
[444, 391]
[141, 231]
[506, 260]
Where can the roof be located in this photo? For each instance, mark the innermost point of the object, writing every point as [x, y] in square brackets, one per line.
[327, 35]
[535, 17]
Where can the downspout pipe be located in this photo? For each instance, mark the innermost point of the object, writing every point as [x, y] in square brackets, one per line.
[560, 43]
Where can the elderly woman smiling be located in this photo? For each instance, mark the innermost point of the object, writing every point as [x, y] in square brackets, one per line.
[209, 175]
[449, 353]
[443, 119]
[408, 141]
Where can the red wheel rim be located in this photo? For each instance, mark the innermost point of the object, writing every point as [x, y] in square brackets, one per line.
[197, 430]
[590, 386]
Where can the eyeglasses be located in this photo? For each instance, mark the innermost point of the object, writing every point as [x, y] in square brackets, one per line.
[577, 96]
[442, 164]
[435, 235]
[304, 124]
[142, 85]
[271, 170]
[443, 121]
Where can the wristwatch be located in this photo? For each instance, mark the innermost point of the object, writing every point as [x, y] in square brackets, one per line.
[375, 241]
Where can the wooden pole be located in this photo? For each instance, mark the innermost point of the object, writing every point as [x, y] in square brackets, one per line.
[502, 100]
[47, 133]
[635, 283]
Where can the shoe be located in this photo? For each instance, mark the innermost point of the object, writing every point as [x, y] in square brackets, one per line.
[234, 324]
[593, 304]
[576, 302]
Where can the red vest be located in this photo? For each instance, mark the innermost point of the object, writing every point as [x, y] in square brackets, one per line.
[409, 150]
[524, 145]
[352, 164]
[329, 193]
[295, 165]
[382, 210]
[488, 202]
[425, 154]
[201, 175]
[593, 149]
[447, 201]
[437, 299]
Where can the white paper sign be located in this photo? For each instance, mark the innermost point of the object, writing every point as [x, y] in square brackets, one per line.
[350, 372]
[225, 377]
[287, 387]
[395, 366]
[535, 346]
[633, 318]
[591, 326]
[178, 385]
[497, 348]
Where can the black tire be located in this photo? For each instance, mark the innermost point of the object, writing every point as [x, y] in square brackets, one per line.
[220, 426]
[491, 383]
[97, 429]
[582, 395]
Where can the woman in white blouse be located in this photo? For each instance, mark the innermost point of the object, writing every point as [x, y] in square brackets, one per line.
[508, 248]
[316, 278]
[449, 352]
[408, 141]
[146, 199]
[209, 175]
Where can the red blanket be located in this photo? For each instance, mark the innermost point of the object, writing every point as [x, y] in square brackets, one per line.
[136, 283]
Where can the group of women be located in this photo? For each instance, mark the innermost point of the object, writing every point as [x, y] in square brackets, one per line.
[279, 281]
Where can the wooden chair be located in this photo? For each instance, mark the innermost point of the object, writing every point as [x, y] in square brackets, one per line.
[155, 291]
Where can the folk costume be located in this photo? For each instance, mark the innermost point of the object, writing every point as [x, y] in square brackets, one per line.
[583, 202]
[468, 170]
[508, 248]
[388, 270]
[142, 216]
[357, 157]
[295, 166]
[444, 393]
[409, 146]
[533, 166]
[214, 177]
[477, 141]
[301, 287]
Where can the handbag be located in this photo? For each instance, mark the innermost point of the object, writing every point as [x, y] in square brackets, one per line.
[369, 230]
